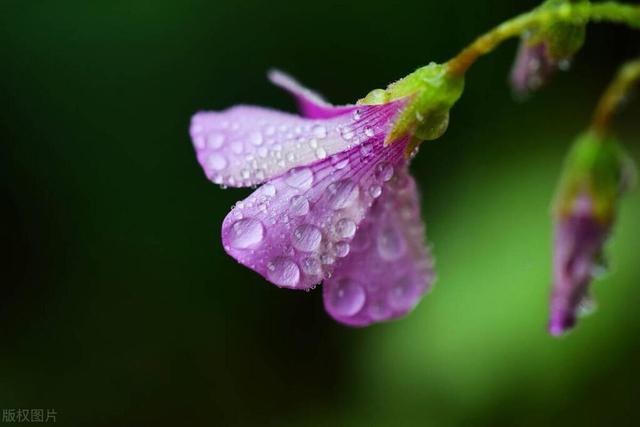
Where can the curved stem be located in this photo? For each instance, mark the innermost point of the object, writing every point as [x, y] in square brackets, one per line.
[607, 11]
[614, 95]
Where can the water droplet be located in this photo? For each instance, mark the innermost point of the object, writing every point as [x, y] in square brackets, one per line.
[263, 152]
[283, 272]
[306, 238]
[246, 233]
[345, 228]
[375, 191]
[237, 147]
[564, 64]
[339, 163]
[346, 297]
[357, 114]
[403, 294]
[342, 193]
[384, 171]
[199, 142]
[319, 131]
[255, 138]
[378, 311]
[368, 131]
[327, 259]
[390, 243]
[291, 157]
[216, 162]
[365, 149]
[269, 190]
[587, 306]
[311, 266]
[298, 205]
[302, 179]
[215, 141]
[342, 249]
[321, 153]
[347, 133]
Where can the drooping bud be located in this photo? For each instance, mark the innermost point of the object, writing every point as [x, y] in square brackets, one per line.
[432, 91]
[595, 175]
[548, 47]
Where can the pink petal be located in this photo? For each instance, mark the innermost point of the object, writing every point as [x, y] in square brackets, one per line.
[310, 103]
[297, 228]
[389, 266]
[245, 146]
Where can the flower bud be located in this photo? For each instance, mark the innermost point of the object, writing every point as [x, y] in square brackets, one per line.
[548, 47]
[593, 180]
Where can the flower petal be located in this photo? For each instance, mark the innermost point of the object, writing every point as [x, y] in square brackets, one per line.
[310, 103]
[389, 267]
[245, 146]
[295, 229]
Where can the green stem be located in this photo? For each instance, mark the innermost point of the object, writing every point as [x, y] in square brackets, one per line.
[628, 76]
[607, 11]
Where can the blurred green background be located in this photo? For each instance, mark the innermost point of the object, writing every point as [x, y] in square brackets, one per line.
[118, 305]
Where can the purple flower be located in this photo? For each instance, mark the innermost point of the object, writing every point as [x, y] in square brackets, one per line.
[335, 205]
[533, 67]
[579, 238]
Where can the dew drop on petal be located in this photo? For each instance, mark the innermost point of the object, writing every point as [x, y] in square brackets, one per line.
[311, 266]
[237, 147]
[345, 228]
[270, 130]
[268, 190]
[339, 163]
[302, 179]
[375, 191]
[402, 295]
[342, 193]
[255, 138]
[246, 233]
[283, 272]
[215, 141]
[365, 149]
[384, 171]
[216, 162]
[378, 311]
[321, 153]
[357, 115]
[199, 142]
[327, 259]
[347, 133]
[306, 238]
[368, 131]
[319, 131]
[390, 244]
[342, 249]
[298, 205]
[346, 297]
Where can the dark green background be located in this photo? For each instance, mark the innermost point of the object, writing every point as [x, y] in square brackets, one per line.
[118, 305]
